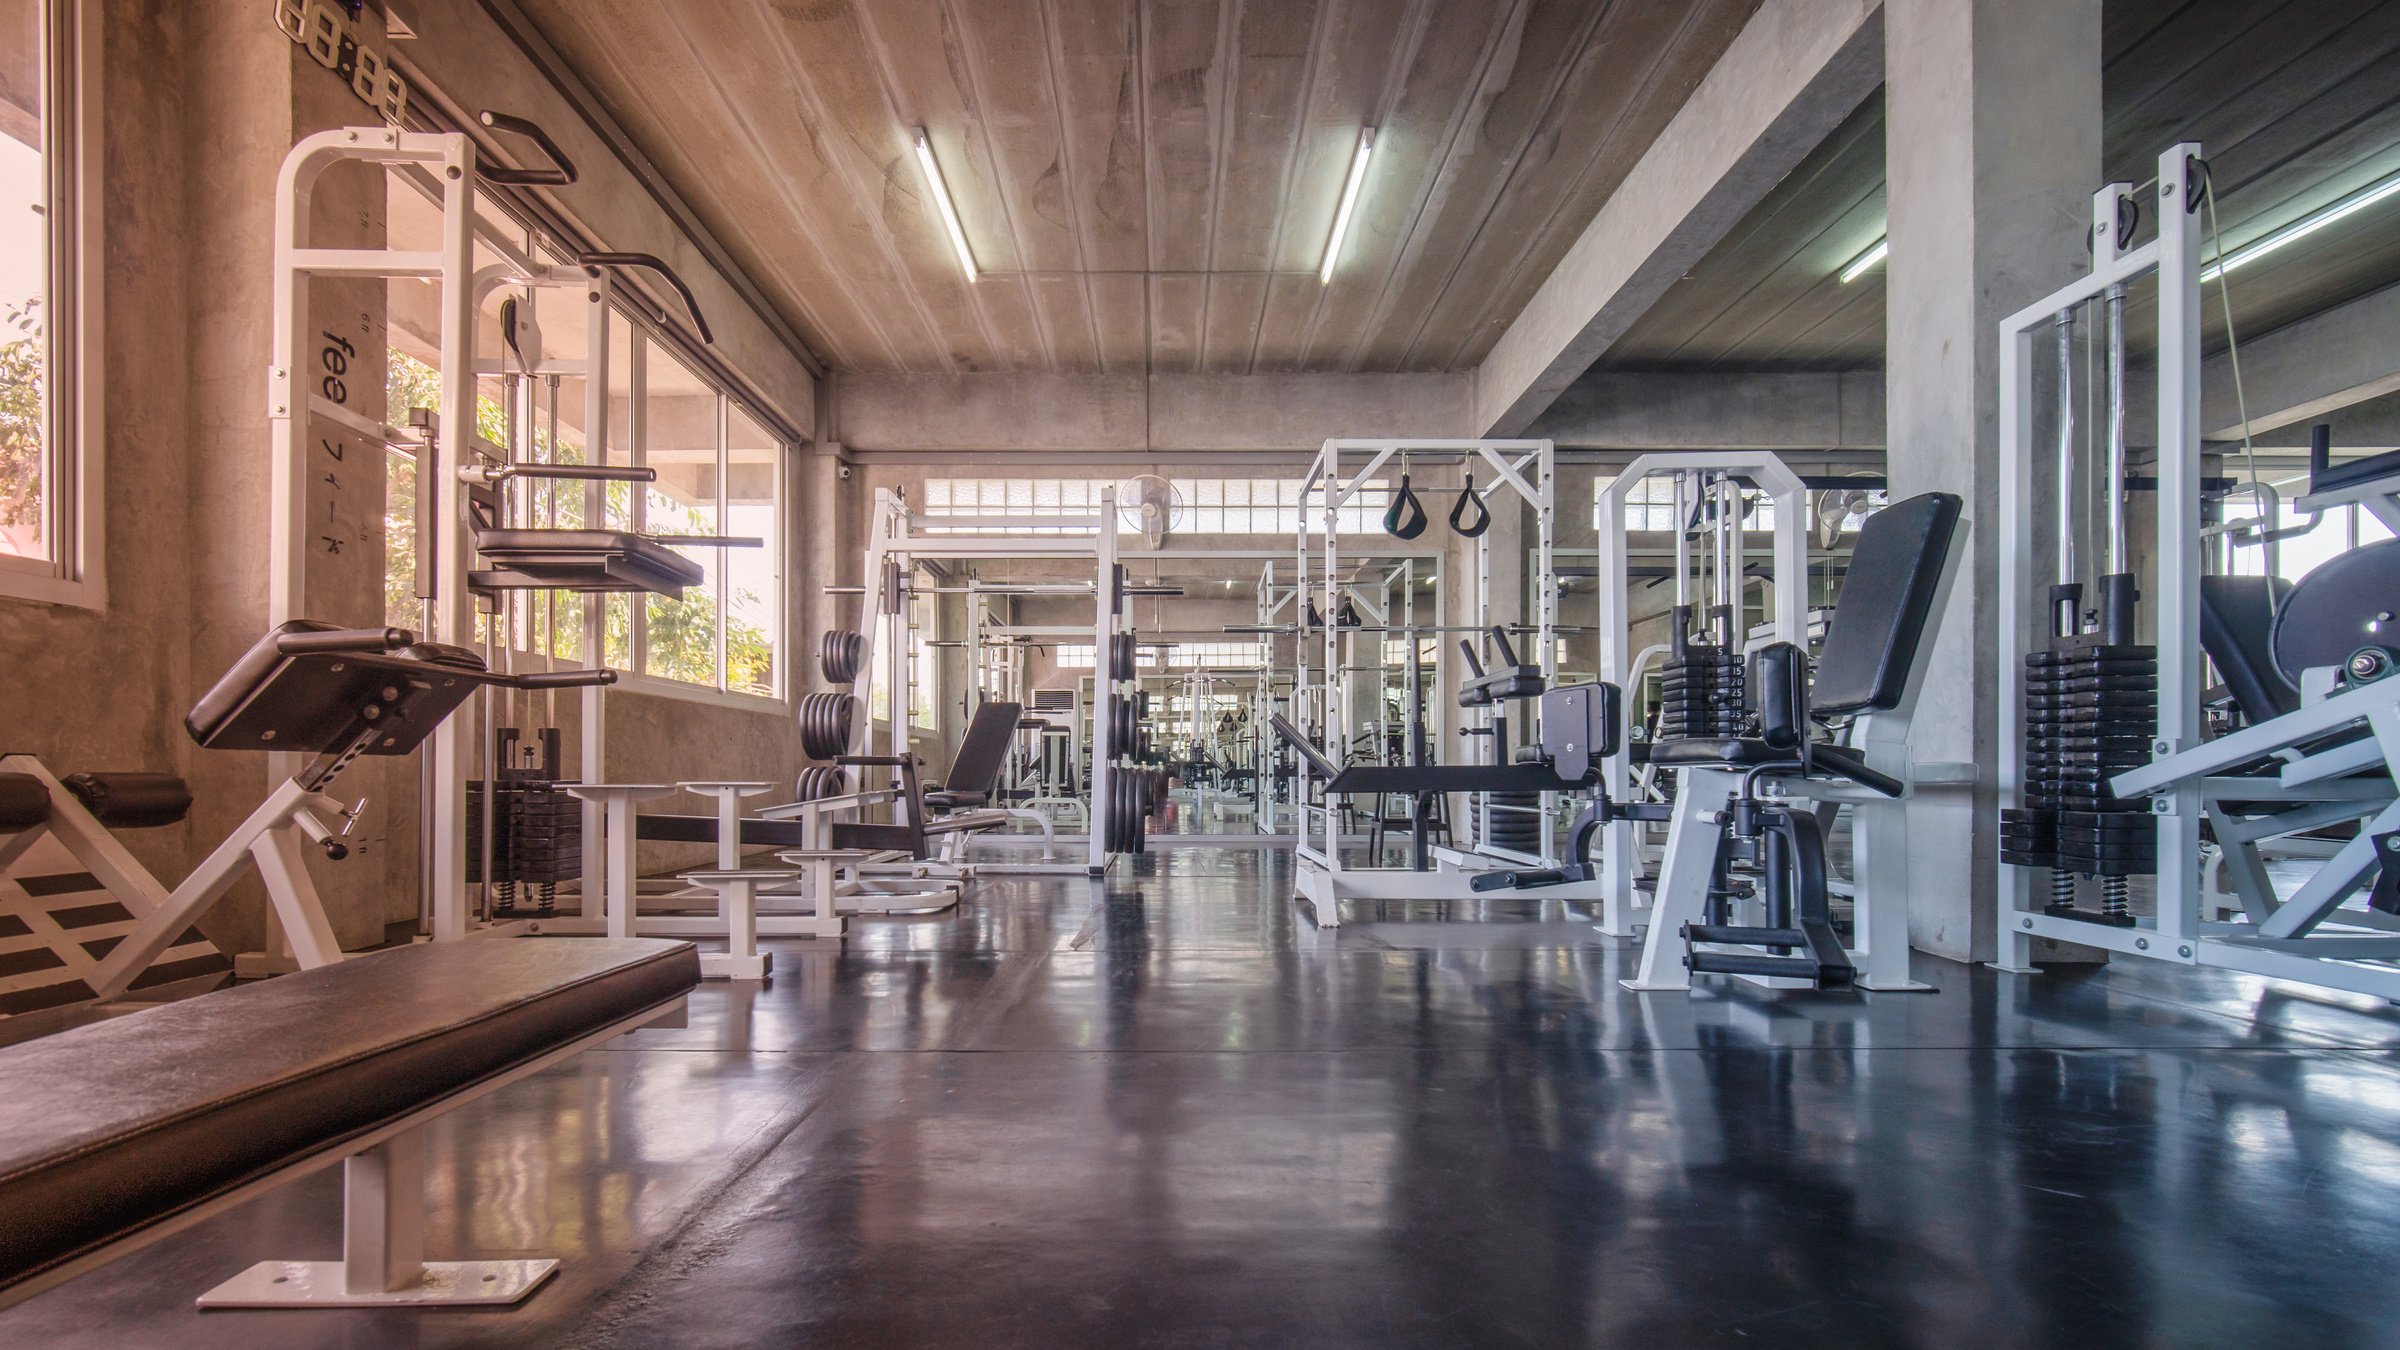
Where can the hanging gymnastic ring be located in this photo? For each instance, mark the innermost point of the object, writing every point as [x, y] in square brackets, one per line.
[1405, 518]
[1483, 514]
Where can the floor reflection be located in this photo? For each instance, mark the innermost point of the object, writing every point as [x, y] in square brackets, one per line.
[1166, 1109]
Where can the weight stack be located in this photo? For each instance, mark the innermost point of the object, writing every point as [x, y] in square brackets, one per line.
[538, 843]
[2090, 707]
[1701, 693]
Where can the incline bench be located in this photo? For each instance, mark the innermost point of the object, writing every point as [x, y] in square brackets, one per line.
[118, 1133]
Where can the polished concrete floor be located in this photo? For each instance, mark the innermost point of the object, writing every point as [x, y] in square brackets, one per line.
[1167, 1110]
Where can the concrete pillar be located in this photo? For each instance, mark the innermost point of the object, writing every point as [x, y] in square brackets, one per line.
[1993, 152]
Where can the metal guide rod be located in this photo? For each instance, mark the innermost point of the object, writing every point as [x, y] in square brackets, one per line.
[2116, 430]
[1683, 542]
[2066, 447]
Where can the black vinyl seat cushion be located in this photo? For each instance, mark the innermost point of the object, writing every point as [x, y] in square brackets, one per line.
[1713, 751]
[24, 801]
[573, 558]
[109, 1128]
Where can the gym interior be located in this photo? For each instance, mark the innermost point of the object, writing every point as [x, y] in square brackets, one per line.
[1199, 672]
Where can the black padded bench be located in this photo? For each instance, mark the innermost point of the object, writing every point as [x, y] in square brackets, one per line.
[115, 1134]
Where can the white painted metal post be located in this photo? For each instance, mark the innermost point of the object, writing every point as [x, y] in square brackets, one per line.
[383, 1216]
[1104, 606]
[2178, 542]
[592, 736]
[452, 611]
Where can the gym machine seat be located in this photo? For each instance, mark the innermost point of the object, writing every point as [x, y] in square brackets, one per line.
[1870, 648]
[590, 561]
[982, 753]
[1869, 657]
[119, 1132]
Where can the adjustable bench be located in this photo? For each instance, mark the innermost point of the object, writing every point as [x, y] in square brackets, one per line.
[118, 1133]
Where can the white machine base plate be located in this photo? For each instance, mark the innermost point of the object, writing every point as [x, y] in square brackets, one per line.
[318, 1284]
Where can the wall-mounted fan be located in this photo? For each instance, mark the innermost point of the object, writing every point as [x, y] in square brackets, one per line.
[1835, 511]
[1151, 506]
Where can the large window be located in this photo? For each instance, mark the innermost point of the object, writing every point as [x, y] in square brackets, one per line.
[720, 474]
[43, 536]
[2335, 532]
[1210, 505]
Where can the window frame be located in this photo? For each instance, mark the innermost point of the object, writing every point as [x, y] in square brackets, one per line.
[635, 674]
[74, 373]
[641, 337]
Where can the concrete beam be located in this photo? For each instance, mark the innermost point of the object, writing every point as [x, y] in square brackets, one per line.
[1082, 414]
[2304, 371]
[1795, 71]
[1607, 410]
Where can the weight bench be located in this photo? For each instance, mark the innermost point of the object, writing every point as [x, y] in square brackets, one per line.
[118, 1133]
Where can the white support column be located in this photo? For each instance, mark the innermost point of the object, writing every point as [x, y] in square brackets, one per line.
[1994, 148]
[2177, 588]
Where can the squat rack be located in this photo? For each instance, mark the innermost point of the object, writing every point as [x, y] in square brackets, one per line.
[895, 545]
[454, 462]
[1342, 469]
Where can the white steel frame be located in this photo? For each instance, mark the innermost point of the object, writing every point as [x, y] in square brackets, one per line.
[449, 159]
[894, 538]
[1320, 874]
[1622, 909]
[2178, 779]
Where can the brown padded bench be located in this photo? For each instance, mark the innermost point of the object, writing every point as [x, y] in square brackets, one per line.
[119, 1132]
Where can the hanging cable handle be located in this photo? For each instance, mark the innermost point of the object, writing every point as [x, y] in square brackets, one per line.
[1483, 514]
[558, 173]
[1405, 518]
[593, 262]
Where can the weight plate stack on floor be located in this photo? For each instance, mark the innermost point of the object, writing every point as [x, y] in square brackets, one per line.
[819, 781]
[1519, 831]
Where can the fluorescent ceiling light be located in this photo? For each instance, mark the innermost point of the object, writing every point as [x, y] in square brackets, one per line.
[1341, 214]
[2304, 226]
[941, 198]
[1875, 253]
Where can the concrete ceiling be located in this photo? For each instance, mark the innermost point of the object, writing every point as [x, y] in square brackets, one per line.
[2295, 105]
[1148, 183]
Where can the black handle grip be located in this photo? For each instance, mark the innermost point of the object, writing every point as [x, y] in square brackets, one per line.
[873, 761]
[1501, 644]
[1852, 765]
[652, 262]
[564, 679]
[561, 170]
[344, 640]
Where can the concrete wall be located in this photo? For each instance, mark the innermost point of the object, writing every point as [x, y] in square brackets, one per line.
[201, 103]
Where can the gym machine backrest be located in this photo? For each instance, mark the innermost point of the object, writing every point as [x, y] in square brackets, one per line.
[1887, 598]
[975, 770]
[2237, 629]
[1870, 652]
[311, 687]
